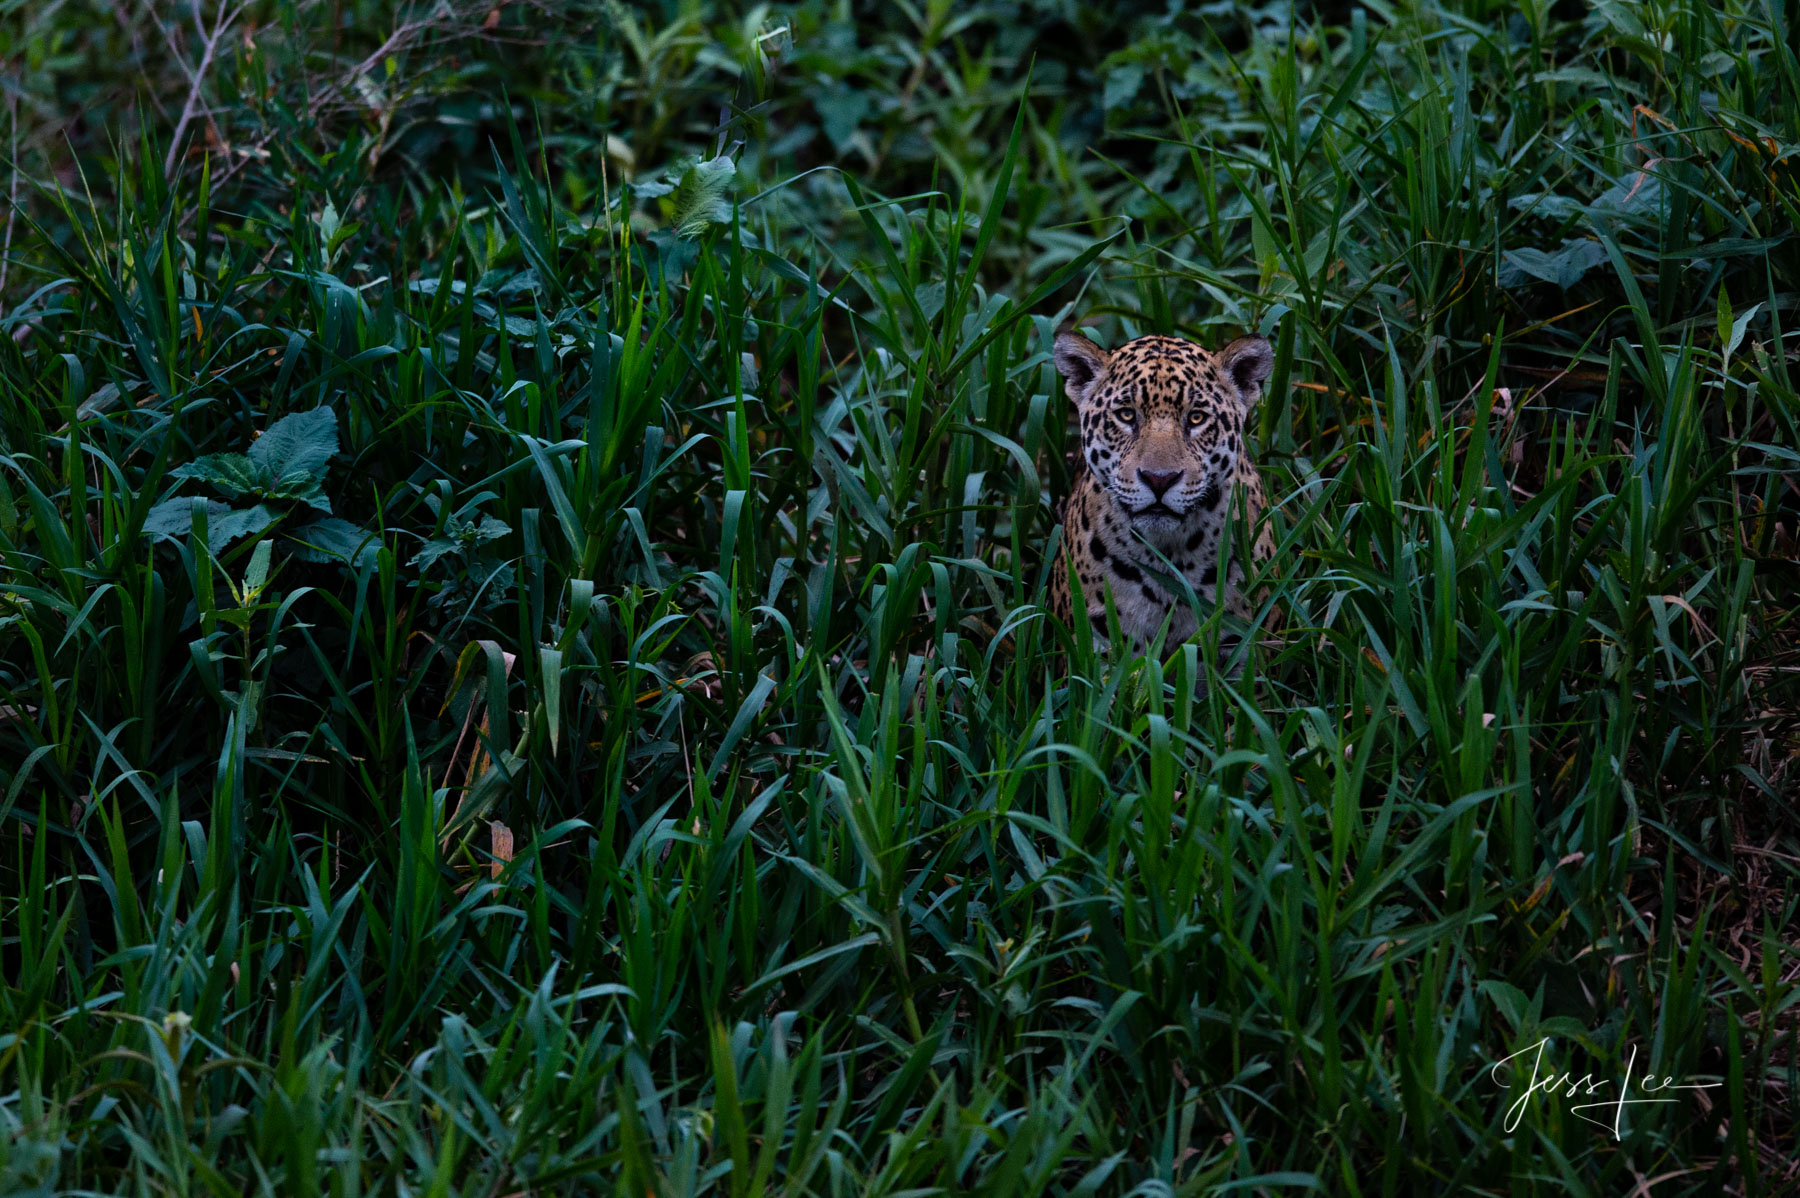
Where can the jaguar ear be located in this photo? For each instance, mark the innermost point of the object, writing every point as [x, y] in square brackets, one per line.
[1080, 362]
[1247, 362]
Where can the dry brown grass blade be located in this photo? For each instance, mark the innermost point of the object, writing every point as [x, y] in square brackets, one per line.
[500, 842]
[479, 759]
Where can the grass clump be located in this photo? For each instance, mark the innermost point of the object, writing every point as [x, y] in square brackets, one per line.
[524, 639]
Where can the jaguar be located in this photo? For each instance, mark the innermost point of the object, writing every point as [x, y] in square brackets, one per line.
[1163, 444]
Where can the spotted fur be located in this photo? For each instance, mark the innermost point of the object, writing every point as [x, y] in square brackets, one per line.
[1162, 446]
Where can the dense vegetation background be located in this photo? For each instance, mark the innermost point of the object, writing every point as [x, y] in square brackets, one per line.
[523, 640]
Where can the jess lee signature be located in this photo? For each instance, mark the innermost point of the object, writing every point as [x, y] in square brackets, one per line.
[1585, 1086]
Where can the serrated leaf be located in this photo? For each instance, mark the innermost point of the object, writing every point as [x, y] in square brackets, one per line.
[1547, 205]
[432, 550]
[1563, 267]
[1638, 195]
[335, 540]
[236, 523]
[297, 444]
[303, 488]
[174, 519]
[1510, 1001]
[232, 473]
[512, 282]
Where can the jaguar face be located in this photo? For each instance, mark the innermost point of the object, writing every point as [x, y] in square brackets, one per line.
[1162, 420]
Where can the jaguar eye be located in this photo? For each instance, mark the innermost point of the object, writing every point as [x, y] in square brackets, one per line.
[1127, 415]
[1195, 417]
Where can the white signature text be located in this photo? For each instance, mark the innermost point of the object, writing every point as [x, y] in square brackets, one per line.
[1610, 1114]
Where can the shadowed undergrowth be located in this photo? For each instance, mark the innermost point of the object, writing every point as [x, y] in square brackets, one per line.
[524, 638]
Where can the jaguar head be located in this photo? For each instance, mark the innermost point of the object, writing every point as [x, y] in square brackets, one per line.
[1162, 420]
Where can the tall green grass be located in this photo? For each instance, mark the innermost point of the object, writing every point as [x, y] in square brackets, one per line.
[524, 638]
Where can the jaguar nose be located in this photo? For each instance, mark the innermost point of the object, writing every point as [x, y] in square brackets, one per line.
[1160, 481]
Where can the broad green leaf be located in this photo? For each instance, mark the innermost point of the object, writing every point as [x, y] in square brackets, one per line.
[297, 444]
[303, 487]
[1563, 268]
[222, 530]
[335, 539]
[172, 519]
[232, 473]
[842, 111]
